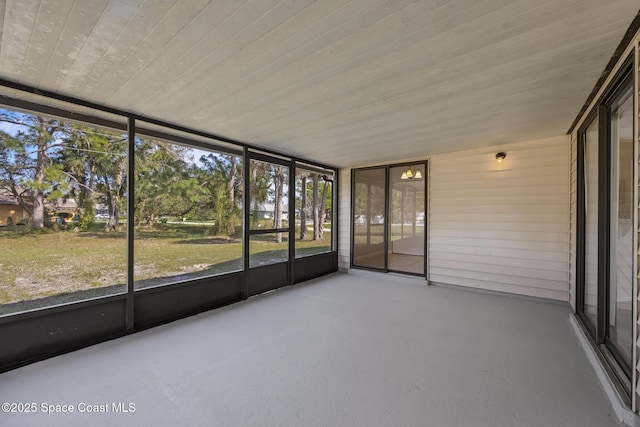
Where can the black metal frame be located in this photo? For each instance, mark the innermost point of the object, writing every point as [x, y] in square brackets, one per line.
[352, 219]
[334, 206]
[131, 164]
[41, 333]
[599, 332]
[174, 139]
[268, 277]
[387, 226]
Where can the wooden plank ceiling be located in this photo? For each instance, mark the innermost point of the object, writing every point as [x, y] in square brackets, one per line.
[341, 82]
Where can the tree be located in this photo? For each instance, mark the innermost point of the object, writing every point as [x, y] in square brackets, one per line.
[113, 186]
[259, 186]
[14, 161]
[30, 172]
[220, 176]
[279, 176]
[317, 222]
[326, 185]
[231, 179]
[164, 182]
[95, 162]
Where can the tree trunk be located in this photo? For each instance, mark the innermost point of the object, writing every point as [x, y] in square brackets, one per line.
[277, 215]
[91, 181]
[232, 180]
[303, 209]
[317, 223]
[37, 219]
[253, 191]
[114, 212]
[323, 209]
[113, 199]
[113, 206]
[140, 207]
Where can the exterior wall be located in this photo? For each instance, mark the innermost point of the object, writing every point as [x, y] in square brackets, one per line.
[16, 213]
[344, 218]
[573, 221]
[502, 227]
[633, 48]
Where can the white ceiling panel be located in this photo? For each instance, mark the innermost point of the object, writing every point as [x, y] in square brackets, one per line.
[340, 82]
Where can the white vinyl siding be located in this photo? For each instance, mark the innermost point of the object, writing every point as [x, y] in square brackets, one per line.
[573, 220]
[344, 218]
[502, 226]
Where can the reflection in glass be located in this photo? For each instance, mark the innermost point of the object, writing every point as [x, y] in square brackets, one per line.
[590, 305]
[369, 218]
[187, 213]
[314, 207]
[621, 231]
[406, 243]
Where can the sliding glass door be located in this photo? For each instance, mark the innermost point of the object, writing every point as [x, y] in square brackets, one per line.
[605, 227]
[389, 218]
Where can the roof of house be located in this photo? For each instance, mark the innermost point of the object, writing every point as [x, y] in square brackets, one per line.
[7, 198]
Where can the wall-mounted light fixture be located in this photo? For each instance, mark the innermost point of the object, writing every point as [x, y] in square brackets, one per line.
[409, 174]
[500, 156]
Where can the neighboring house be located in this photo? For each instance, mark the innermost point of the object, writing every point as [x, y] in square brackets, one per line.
[267, 211]
[11, 212]
[62, 205]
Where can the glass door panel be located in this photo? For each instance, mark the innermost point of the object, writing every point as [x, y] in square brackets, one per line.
[406, 231]
[369, 222]
[590, 295]
[620, 334]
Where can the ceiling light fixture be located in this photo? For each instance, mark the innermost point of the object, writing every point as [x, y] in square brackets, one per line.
[501, 156]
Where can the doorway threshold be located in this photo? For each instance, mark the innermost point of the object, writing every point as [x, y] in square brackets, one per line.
[368, 273]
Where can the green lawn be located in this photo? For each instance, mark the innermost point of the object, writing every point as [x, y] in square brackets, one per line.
[40, 264]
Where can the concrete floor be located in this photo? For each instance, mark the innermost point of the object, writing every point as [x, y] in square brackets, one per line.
[406, 263]
[344, 350]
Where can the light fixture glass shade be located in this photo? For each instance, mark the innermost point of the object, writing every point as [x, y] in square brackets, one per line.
[409, 173]
[418, 175]
[404, 175]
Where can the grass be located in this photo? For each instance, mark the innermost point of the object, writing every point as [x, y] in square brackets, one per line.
[43, 267]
